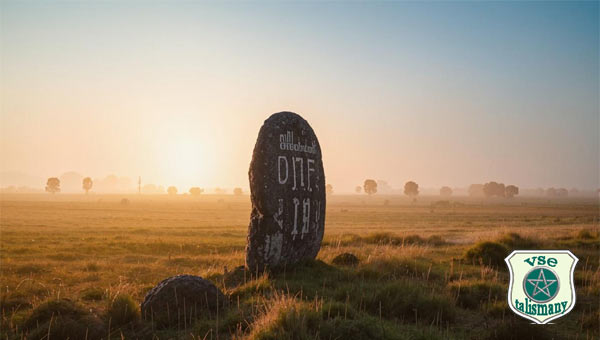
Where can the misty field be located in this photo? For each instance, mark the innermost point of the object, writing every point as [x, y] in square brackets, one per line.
[79, 266]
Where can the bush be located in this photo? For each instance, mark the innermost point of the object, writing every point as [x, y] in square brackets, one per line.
[487, 253]
[122, 310]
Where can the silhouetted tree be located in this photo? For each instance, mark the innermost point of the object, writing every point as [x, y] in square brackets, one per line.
[411, 189]
[87, 184]
[172, 190]
[511, 191]
[53, 185]
[237, 191]
[370, 187]
[445, 191]
[329, 189]
[358, 189]
[494, 189]
[195, 191]
[476, 190]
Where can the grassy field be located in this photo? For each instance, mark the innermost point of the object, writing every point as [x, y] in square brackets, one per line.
[72, 264]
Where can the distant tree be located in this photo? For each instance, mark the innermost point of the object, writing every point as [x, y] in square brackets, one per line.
[446, 191]
[370, 187]
[511, 191]
[551, 192]
[172, 190]
[195, 191]
[493, 189]
[53, 185]
[476, 190]
[411, 189]
[87, 184]
[220, 191]
[329, 189]
[237, 191]
[358, 189]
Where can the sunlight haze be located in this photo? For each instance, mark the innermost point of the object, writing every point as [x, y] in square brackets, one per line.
[438, 93]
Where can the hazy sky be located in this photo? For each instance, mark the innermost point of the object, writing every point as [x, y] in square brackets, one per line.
[439, 93]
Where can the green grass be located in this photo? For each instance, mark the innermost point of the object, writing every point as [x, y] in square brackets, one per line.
[72, 266]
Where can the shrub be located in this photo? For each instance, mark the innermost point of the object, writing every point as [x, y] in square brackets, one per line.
[122, 310]
[488, 253]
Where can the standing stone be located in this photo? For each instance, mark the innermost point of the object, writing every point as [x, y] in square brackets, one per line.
[287, 185]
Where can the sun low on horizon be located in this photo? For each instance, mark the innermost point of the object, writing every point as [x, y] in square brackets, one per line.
[395, 90]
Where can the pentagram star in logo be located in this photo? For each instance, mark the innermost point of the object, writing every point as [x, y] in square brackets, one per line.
[544, 287]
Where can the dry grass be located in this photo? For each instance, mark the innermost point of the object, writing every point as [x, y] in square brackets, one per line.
[92, 250]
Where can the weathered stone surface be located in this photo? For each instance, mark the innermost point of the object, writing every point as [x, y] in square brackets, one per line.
[287, 185]
[180, 299]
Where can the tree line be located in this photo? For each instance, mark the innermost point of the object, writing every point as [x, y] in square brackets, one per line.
[53, 187]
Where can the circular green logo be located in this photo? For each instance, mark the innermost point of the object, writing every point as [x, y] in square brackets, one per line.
[541, 284]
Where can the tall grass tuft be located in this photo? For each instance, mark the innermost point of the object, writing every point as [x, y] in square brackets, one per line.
[122, 310]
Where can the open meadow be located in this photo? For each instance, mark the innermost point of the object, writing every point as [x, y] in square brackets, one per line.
[76, 266]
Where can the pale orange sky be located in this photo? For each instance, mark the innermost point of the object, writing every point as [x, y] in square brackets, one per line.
[394, 91]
